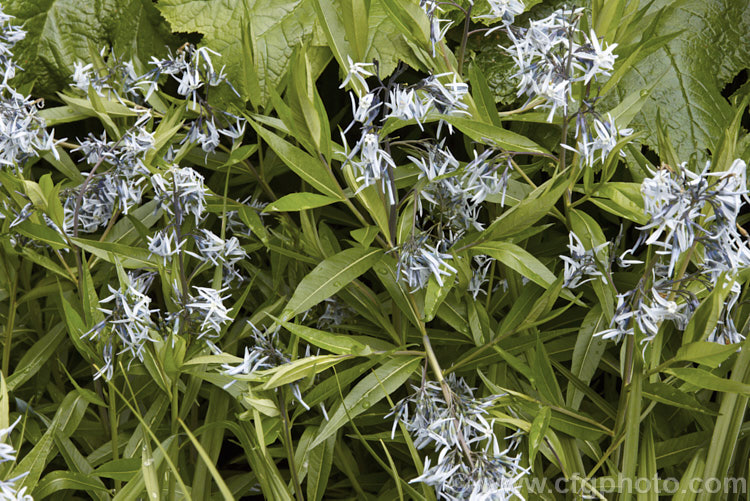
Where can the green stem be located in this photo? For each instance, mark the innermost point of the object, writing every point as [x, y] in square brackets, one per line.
[113, 428]
[290, 448]
[632, 423]
[464, 40]
[447, 394]
[175, 424]
[726, 432]
[9, 326]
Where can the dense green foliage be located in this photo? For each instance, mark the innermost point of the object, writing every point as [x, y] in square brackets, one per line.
[225, 276]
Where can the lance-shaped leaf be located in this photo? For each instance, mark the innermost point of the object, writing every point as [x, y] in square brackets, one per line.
[338, 344]
[329, 277]
[502, 138]
[302, 368]
[299, 201]
[518, 259]
[703, 379]
[373, 388]
[531, 209]
[308, 168]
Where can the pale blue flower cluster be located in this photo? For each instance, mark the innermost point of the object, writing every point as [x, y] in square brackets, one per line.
[129, 321]
[552, 55]
[550, 58]
[262, 355]
[453, 430]
[22, 131]
[693, 215]
[449, 193]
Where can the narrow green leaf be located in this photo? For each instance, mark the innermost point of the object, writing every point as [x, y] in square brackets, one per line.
[66, 420]
[302, 368]
[329, 277]
[4, 404]
[127, 230]
[693, 474]
[530, 210]
[386, 270]
[137, 484]
[77, 329]
[57, 481]
[338, 344]
[329, 387]
[225, 492]
[305, 166]
[496, 136]
[374, 387]
[483, 96]
[647, 463]
[45, 262]
[538, 431]
[621, 199]
[320, 461]
[518, 259]
[119, 469]
[435, 295]
[64, 163]
[43, 234]
[131, 257]
[410, 20]
[544, 375]
[148, 469]
[587, 353]
[706, 316]
[365, 235]
[667, 394]
[299, 201]
[335, 32]
[251, 218]
[680, 449]
[732, 415]
[704, 379]
[212, 439]
[36, 357]
[705, 353]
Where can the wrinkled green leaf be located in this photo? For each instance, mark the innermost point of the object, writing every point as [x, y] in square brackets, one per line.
[276, 25]
[695, 67]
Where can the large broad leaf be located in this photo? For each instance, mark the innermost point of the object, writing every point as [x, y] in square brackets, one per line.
[139, 29]
[386, 44]
[59, 33]
[277, 26]
[696, 65]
